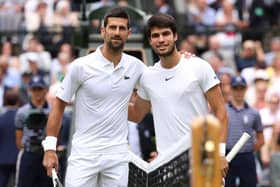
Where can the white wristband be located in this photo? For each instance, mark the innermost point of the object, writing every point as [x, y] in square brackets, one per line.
[222, 149]
[49, 143]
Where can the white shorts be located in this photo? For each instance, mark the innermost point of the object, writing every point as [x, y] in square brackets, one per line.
[103, 170]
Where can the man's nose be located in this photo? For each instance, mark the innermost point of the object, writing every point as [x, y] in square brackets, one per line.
[161, 38]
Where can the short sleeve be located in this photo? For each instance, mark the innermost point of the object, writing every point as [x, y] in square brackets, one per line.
[258, 123]
[70, 83]
[19, 119]
[206, 74]
[141, 89]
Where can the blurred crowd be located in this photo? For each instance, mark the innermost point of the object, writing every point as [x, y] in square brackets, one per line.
[235, 36]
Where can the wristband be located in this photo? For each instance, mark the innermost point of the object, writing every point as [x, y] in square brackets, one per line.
[49, 143]
[222, 149]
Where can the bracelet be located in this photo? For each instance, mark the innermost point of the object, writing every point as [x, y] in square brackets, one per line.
[222, 149]
[49, 143]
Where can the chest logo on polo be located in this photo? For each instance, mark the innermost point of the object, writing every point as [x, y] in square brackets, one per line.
[168, 78]
[126, 77]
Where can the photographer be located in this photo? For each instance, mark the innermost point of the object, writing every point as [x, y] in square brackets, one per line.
[30, 123]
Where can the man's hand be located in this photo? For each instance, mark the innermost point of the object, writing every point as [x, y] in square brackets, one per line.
[224, 166]
[153, 156]
[187, 54]
[50, 161]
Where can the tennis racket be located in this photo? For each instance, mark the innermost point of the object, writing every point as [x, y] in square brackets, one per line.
[236, 148]
[55, 179]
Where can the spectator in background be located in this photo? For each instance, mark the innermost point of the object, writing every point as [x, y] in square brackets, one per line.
[217, 46]
[227, 16]
[40, 18]
[23, 89]
[63, 16]
[216, 62]
[216, 4]
[274, 49]
[96, 23]
[274, 71]
[228, 24]
[275, 13]
[11, 76]
[65, 20]
[256, 92]
[59, 67]
[201, 16]
[7, 49]
[275, 156]
[10, 15]
[201, 19]
[2, 88]
[33, 47]
[186, 45]
[213, 47]
[225, 75]
[256, 14]
[163, 6]
[35, 66]
[243, 118]
[270, 116]
[8, 149]
[30, 122]
[135, 27]
[251, 56]
[64, 47]
[101, 3]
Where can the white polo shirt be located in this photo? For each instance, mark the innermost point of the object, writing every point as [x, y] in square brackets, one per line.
[177, 97]
[102, 93]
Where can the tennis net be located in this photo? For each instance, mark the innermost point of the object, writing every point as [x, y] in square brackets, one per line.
[170, 169]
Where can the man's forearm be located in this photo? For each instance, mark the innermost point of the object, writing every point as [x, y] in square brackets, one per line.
[55, 118]
[224, 128]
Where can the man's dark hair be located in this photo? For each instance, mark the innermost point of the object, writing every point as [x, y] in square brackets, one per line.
[162, 21]
[116, 13]
[11, 97]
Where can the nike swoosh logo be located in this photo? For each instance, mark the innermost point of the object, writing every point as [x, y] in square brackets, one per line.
[169, 78]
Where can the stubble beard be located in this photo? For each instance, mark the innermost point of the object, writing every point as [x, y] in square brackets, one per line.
[118, 47]
[168, 53]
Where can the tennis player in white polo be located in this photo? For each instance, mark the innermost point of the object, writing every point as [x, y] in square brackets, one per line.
[102, 83]
[177, 89]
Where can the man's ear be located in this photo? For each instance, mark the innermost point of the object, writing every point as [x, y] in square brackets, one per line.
[129, 32]
[176, 36]
[149, 39]
[102, 31]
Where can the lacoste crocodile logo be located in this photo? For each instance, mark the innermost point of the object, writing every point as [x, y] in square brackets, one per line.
[126, 77]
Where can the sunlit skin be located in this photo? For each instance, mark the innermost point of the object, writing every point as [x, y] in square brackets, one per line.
[38, 95]
[163, 41]
[115, 34]
[238, 93]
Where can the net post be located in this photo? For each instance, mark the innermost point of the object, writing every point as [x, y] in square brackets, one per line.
[205, 152]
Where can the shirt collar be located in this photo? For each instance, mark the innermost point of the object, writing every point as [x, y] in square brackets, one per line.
[245, 106]
[105, 62]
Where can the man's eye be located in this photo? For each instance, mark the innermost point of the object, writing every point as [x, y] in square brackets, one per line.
[113, 27]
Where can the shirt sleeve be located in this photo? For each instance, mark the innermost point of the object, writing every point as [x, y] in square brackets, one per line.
[206, 74]
[141, 89]
[258, 123]
[19, 119]
[70, 83]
